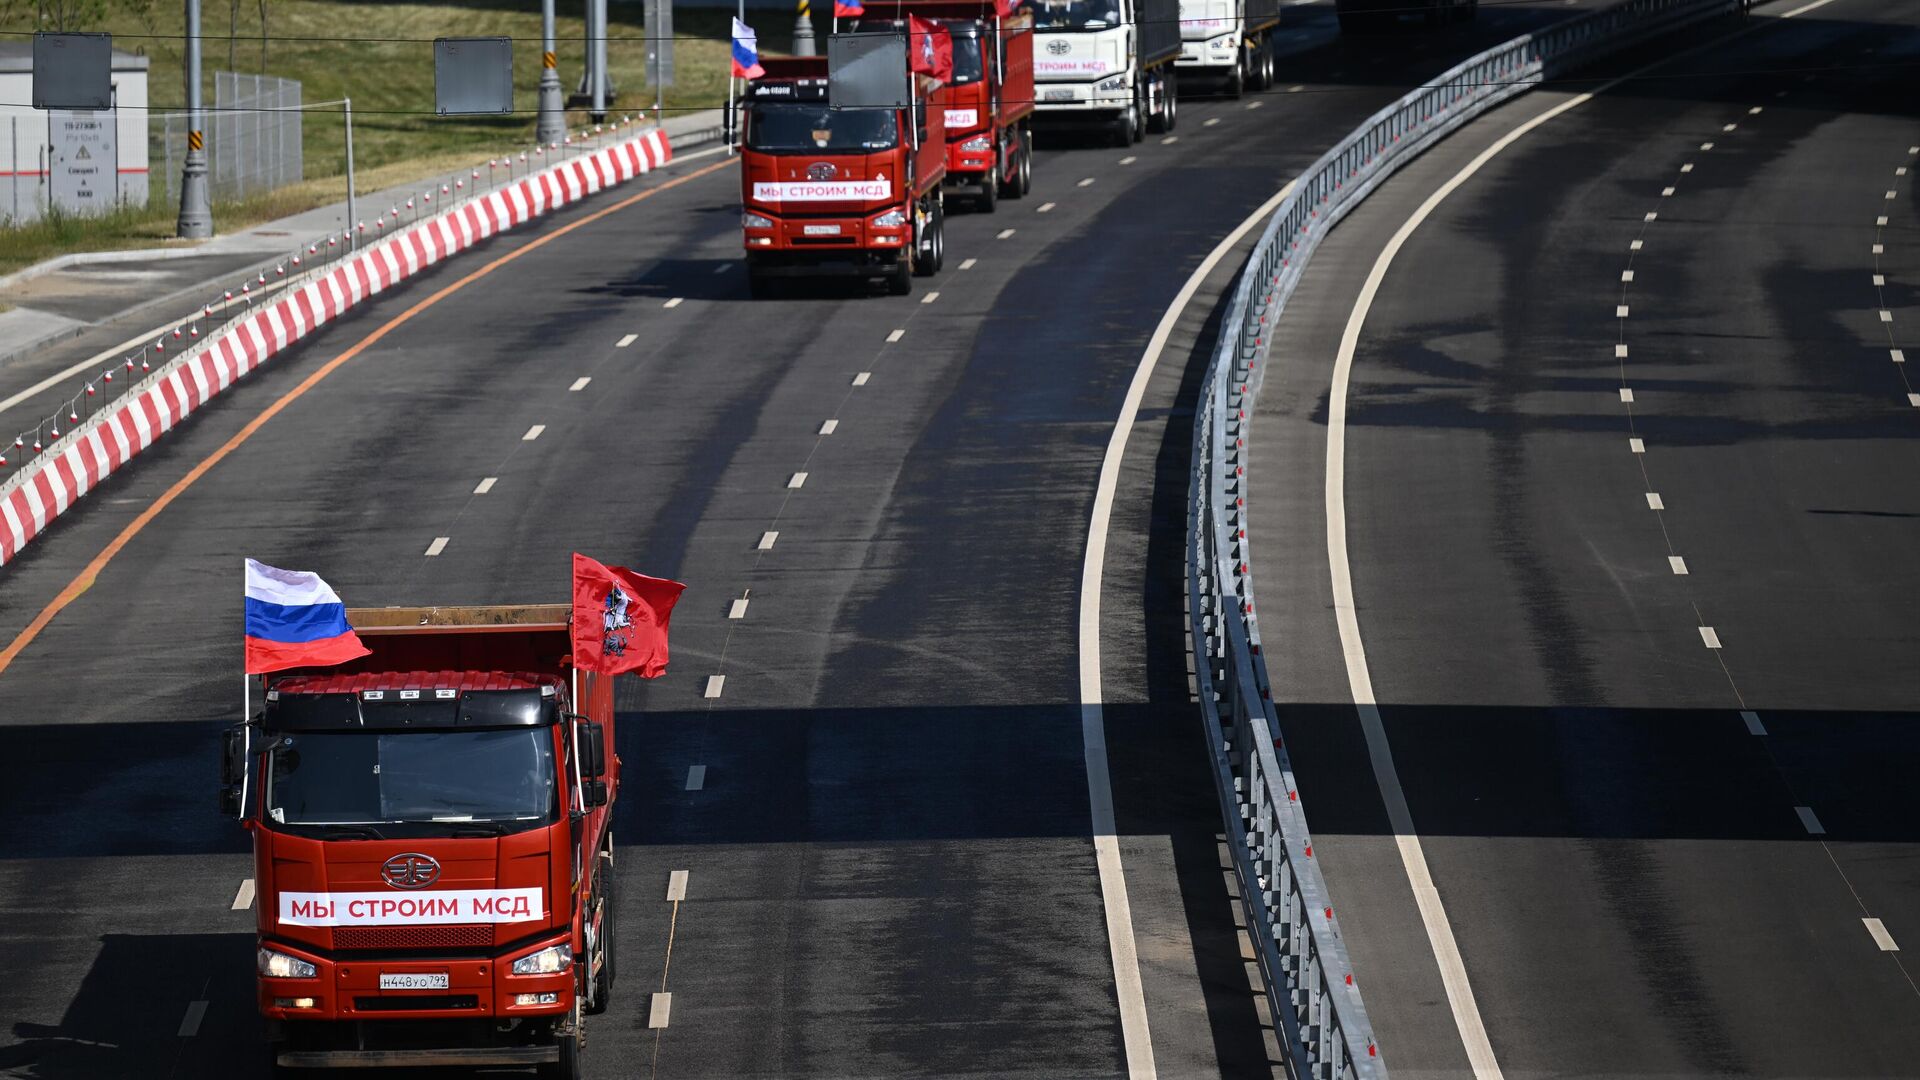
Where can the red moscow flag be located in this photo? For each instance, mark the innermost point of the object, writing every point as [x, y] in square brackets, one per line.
[929, 49]
[620, 619]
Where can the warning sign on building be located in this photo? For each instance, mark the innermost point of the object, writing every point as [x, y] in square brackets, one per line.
[86, 161]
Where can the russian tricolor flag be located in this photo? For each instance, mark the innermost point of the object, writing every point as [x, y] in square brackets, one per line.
[848, 9]
[746, 52]
[295, 620]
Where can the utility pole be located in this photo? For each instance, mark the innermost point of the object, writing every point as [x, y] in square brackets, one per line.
[196, 215]
[803, 31]
[551, 125]
[353, 219]
[597, 27]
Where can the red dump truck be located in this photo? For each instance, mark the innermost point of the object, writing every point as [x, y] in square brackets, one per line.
[850, 192]
[990, 98]
[432, 845]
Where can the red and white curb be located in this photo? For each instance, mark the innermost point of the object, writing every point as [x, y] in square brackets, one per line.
[77, 463]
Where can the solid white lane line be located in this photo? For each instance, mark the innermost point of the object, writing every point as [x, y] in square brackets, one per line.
[767, 539]
[1043, 208]
[738, 610]
[533, 432]
[439, 545]
[1810, 820]
[797, 480]
[626, 341]
[190, 1023]
[1709, 638]
[1655, 502]
[714, 685]
[1003, 234]
[660, 1008]
[967, 264]
[485, 485]
[861, 379]
[1752, 719]
[829, 427]
[696, 777]
[676, 886]
[930, 297]
[1128, 160]
[896, 336]
[675, 302]
[579, 384]
[1087, 182]
[1678, 564]
[1093, 732]
[1638, 446]
[1881, 938]
[243, 899]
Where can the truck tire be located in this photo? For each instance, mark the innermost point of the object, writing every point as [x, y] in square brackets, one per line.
[1026, 165]
[572, 1046]
[988, 195]
[1265, 52]
[900, 277]
[1169, 114]
[1141, 110]
[1237, 82]
[603, 982]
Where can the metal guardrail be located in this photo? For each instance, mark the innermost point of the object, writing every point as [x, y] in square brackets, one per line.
[1317, 1010]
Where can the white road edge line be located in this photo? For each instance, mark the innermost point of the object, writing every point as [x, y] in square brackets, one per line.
[1093, 732]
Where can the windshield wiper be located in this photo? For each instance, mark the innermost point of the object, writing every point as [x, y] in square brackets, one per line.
[343, 829]
[479, 828]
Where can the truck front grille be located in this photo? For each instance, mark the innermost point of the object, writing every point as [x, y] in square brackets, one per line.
[412, 937]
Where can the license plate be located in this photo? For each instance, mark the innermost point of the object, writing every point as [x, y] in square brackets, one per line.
[1057, 95]
[822, 230]
[413, 980]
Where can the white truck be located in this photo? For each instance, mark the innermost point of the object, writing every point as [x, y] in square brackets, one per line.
[1229, 41]
[1106, 64]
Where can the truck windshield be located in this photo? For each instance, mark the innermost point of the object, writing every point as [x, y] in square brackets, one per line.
[796, 127]
[434, 778]
[967, 59]
[1076, 14]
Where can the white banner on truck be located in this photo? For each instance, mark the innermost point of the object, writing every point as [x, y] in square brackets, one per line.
[412, 909]
[823, 191]
[962, 118]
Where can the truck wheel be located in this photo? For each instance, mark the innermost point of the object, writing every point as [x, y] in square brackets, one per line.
[1265, 81]
[572, 1046]
[603, 982]
[1138, 130]
[900, 278]
[1169, 114]
[1237, 82]
[1026, 165]
[988, 195]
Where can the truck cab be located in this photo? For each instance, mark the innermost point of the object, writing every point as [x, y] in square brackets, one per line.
[432, 845]
[1107, 64]
[1229, 41]
[848, 192]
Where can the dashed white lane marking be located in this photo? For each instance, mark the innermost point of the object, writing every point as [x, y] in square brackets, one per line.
[1752, 720]
[1901, 171]
[930, 297]
[1169, 140]
[1879, 249]
[1755, 111]
[714, 685]
[1810, 820]
[829, 427]
[1687, 168]
[676, 885]
[1128, 160]
[1121, 947]
[1626, 393]
[1677, 564]
[1636, 245]
[1619, 352]
[1886, 316]
[1003, 234]
[243, 899]
[1637, 446]
[1893, 194]
[738, 610]
[1881, 221]
[767, 539]
[533, 432]
[862, 377]
[1899, 355]
[675, 302]
[1043, 208]
[696, 777]
[1655, 502]
[797, 480]
[1626, 275]
[579, 384]
[1706, 146]
[723, 268]
[626, 341]
[1878, 930]
[1086, 182]
[485, 485]
[1295, 89]
[1210, 121]
[1729, 127]
[190, 1023]
[439, 545]
[1652, 215]
[659, 1009]
[1913, 149]
[1666, 193]
[1879, 280]
[967, 264]
[1620, 311]
[1255, 104]
[896, 336]
[1709, 637]
[1914, 400]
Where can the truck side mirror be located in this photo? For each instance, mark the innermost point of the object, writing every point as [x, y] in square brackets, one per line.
[233, 771]
[594, 793]
[593, 748]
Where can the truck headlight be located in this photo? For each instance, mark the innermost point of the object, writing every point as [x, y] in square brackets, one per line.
[278, 965]
[551, 960]
[1108, 86]
[892, 219]
[979, 144]
[755, 221]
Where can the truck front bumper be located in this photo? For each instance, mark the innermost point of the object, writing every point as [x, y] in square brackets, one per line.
[1083, 102]
[455, 1057]
[349, 989]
